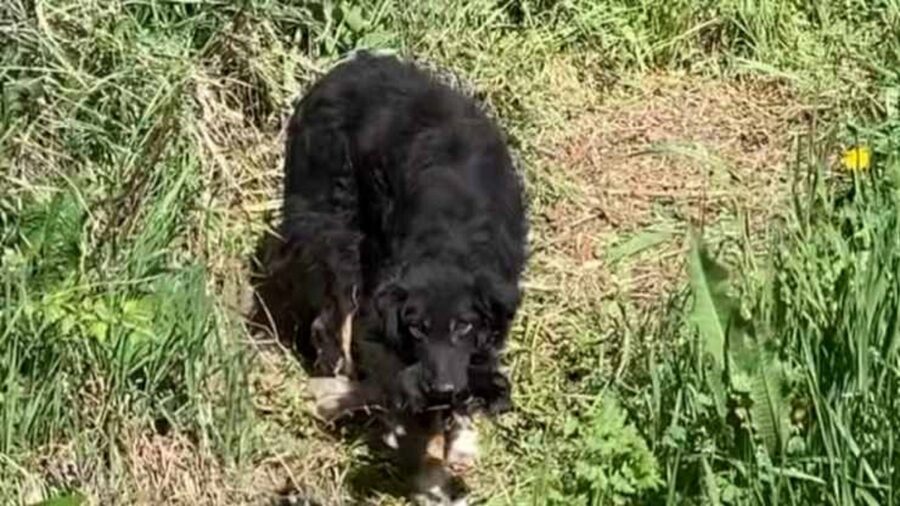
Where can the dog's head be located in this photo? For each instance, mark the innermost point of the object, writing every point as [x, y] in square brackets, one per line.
[446, 323]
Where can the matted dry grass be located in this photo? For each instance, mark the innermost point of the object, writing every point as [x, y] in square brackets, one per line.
[672, 151]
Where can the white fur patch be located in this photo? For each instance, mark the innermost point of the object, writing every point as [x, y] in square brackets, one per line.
[436, 448]
[462, 445]
[432, 485]
[335, 396]
[346, 340]
[392, 437]
[390, 440]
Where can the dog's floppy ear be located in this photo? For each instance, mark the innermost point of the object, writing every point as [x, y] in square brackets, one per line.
[389, 300]
[497, 303]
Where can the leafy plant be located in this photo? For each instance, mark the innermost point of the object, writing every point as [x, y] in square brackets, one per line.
[742, 364]
[604, 459]
[800, 383]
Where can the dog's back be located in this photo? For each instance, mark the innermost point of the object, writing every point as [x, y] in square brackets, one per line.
[419, 155]
[402, 194]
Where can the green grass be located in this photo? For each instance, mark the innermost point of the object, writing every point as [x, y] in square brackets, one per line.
[790, 390]
[140, 156]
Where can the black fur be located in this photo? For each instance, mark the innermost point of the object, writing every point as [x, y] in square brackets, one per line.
[401, 194]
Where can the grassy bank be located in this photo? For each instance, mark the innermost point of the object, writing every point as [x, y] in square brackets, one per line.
[140, 151]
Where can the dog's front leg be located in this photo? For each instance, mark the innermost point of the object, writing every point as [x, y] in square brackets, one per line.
[434, 482]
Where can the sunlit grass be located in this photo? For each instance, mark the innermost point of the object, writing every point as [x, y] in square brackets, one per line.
[140, 148]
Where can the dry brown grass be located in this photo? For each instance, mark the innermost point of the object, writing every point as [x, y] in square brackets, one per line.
[673, 151]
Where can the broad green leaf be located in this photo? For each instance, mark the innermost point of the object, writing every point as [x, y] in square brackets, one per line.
[728, 338]
[711, 309]
[796, 474]
[353, 17]
[379, 39]
[742, 353]
[709, 479]
[768, 412]
[710, 313]
[63, 500]
[636, 244]
[714, 380]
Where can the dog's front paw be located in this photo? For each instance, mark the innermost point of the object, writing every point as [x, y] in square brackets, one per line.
[434, 487]
[393, 434]
[462, 446]
[333, 397]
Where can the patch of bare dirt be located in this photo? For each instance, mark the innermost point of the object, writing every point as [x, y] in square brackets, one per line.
[676, 151]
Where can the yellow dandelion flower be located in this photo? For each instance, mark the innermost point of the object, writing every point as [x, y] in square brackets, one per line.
[856, 158]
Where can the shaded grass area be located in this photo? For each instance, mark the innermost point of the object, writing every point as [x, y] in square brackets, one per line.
[139, 163]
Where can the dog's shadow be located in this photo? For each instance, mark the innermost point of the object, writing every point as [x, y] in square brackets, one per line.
[286, 293]
[283, 307]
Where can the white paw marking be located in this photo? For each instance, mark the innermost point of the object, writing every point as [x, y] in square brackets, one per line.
[392, 437]
[432, 484]
[334, 396]
[462, 447]
[436, 447]
[390, 440]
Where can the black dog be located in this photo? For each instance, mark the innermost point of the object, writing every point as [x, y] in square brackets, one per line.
[401, 196]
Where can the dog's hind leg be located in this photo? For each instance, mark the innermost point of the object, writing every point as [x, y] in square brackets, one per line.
[321, 222]
[332, 336]
[332, 333]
